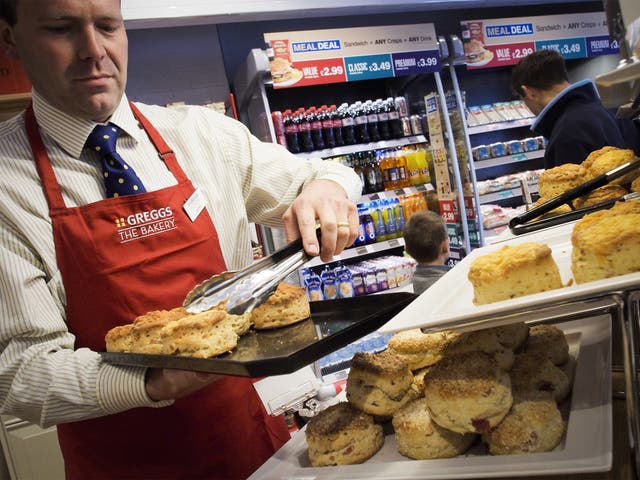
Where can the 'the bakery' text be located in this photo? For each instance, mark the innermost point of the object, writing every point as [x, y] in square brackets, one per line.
[144, 224]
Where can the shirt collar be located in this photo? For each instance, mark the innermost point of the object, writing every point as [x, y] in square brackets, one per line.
[71, 132]
[559, 97]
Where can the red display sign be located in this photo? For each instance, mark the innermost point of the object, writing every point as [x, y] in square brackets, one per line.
[317, 72]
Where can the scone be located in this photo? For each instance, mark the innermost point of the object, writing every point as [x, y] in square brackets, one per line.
[289, 304]
[595, 154]
[599, 195]
[418, 437]
[513, 335]
[635, 185]
[468, 393]
[484, 341]
[534, 424]
[534, 372]
[379, 383]
[147, 329]
[418, 380]
[119, 339]
[606, 243]
[342, 435]
[241, 324]
[419, 349]
[549, 341]
[202, 335]
[513, 271]
[557, 180]
[610, 160]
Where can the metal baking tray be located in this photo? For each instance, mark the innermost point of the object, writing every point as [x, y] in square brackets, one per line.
[332, 325]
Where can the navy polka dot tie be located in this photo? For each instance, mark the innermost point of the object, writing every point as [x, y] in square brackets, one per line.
[119, 178]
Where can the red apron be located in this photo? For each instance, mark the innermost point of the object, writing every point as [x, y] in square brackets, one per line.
[120, 258]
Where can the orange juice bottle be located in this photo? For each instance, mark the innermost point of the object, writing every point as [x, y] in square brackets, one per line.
[401, 167]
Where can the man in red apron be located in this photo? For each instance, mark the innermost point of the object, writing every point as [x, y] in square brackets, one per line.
[74, 52]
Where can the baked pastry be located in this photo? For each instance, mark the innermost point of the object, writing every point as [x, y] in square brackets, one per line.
[288, 304]
[595, 154]
[534, 372]
[419, 437]
[534, 424]
[419, 349]
[342, 435]
[119, 339]
[610, 160]
[379, 383]
[549, 341]
[468, 393]
[635, 185]
[564, 208]
[147, 329]
[481, 341]
[554, 181]
[513, 335]
[606, 243]
[599, 195]
[513, 271]
[418, 380]
[202, 335]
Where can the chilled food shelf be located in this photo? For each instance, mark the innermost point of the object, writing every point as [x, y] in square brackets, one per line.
[493, 127]
[507, 159]
[507, 193]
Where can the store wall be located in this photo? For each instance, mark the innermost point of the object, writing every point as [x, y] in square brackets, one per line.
[176, 64]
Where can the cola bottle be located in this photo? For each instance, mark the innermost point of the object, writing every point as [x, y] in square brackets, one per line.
[316, 129]
[348, 124]
[291, 132]
[336, 123]
[395, 124]
[361, 127]
[372, 121]
[327, 127]
[383, 119]
[304, 130]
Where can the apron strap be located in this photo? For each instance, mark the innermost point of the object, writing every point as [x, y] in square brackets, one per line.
[164, 151]
[45, 170]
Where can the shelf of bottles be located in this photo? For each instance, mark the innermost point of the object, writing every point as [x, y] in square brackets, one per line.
[328, 131]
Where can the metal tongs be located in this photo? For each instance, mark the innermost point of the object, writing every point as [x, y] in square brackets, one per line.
[245, 289]
[518, 225]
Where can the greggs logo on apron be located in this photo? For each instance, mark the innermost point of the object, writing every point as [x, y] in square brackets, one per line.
[144, 224]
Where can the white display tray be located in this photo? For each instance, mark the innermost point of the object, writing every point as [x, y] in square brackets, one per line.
[587, 446]
[448, 303]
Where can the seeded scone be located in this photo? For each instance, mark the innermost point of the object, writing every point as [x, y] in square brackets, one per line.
[289, 304]
[342, 435]
[468, 393]
[419, 437]
[513, 271]
[534, 424]
[379, 383]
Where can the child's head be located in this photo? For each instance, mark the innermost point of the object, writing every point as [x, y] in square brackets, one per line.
[425, 237]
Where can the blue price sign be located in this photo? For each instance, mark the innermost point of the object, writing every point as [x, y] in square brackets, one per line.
[601, 46]
[368, 66]
[567, 47]
[412, 63]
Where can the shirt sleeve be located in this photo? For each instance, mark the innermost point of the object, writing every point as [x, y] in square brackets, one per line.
[42, 378]
[271, 177]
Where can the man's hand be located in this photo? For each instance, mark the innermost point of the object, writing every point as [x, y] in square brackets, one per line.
[169, 384]
[324, 202]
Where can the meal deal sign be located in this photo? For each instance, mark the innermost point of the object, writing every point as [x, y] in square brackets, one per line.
[314, 57]
[499, 42]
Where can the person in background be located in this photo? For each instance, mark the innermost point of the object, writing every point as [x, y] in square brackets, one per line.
[570, 116]
[426, 240]
[110, 209]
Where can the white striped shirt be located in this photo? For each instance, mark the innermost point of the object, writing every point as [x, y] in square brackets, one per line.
[42, 378]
